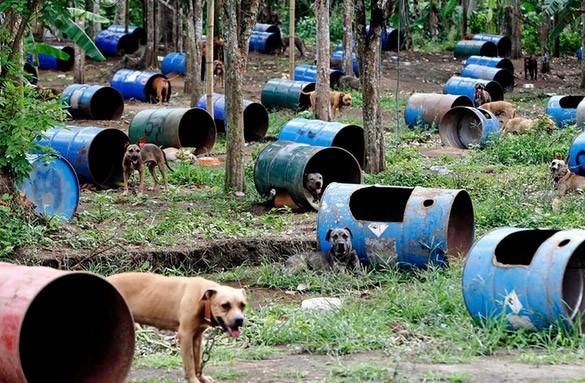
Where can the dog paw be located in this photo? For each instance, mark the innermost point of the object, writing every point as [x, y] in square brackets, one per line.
[206, 379]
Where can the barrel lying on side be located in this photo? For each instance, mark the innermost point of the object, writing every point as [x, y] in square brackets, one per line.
[49, 62]
[503, 43]
[264, 42]
[173, 62]
[532, 279]
[466, 48]
[284, 165]
[263, 27]
[93, 102]
[175, 127]
[464, 127]
[502, 76]
[58, 326]
[563, 109]
[427, 109]
[138, 32]
[326, 133]
[255, 116]
[305, 72]
[577, 155]
[337, 62]
[494, 62]
[464, 86]
[112, 43]
[137, 84]
[95, 153]
[285, 93]
[405, 227]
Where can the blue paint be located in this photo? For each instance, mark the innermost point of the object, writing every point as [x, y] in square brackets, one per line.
[502, 76]
[324, 133]
[48, 62]
[464, 86]
[93, 102]
[577, 155]
[503, 43]
[464, 127]
[563, 109]
[579, 55]
[134, 84]
[406, 227]
[518, 275]
[271, 28]
[264, 42]
[306, 72]
[494, 62]
[52, 186]
[338, 56]
[138, 32]
[174, 62]
[112, 43]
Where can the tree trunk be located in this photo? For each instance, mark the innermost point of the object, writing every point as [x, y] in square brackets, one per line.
[368, 47]
[197, 84]
[190, 46]
[557, 40]
[97, 27]
[150, 52]
[405, 24]
[79, 63]
[180, 28]
[582, 85]
[464, 15]
[516, 27]
[347, 37]
[120, 17]
[157, 26]
[544, 29]
[92, 28]
[323, 101]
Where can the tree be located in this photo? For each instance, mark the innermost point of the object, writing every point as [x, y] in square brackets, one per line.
[323, 103]
[240, 17]
[79, 60]
[193, 83]
[120, 15]
[150, 52]
[368, 48]
[347, 37]
[516, 29]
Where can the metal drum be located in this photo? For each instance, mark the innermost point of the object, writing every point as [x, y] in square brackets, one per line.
[337, 62]
[173, 62]
[49, 62]
[264, 42]
[93, 102]
[502, 76]
[464, 127]
[138, 32]
[464, 86]
[466, 48]
[563, 109]
[116, 43]
[494, 62]
[285, 93]
[136, 84]
[503, 43]
[305, 72]
[577, 155]
[427, 109]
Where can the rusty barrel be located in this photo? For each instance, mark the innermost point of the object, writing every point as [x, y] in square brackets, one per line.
[465, 127]
[283, 165]
[427, 109]
[563, 109]
[174, 127]
[400, 226]
[94, 102]
[532, 279]
[58, 326]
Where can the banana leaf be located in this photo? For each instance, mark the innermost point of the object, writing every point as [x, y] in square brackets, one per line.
[42, 48]
[88, 16]
[78, 36]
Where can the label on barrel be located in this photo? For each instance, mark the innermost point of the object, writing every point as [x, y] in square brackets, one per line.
[378, 228]
[132, 77]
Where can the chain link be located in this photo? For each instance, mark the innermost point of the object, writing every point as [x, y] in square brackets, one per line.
[206, 355]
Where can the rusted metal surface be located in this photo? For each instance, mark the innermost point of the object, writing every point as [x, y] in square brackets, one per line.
[427, 109]
[465, 127]
[58, 326]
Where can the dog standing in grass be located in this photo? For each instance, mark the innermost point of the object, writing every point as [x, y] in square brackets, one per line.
[338, 101]
[136, 158]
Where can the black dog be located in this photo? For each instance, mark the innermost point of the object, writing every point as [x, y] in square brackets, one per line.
[530, 67]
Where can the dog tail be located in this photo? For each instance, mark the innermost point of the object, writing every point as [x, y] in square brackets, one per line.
[166, 162]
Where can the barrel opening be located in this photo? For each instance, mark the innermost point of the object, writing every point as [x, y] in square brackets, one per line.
[570, 102]
[305, 99]
[32, 72]
[460, 229]
[272, 28]
[273, 43]
[495, 90]
[255, 122]
[505, 79]
[77, 329]
[506, 64]
[66, 65]
[128, 44]
[197, 130]
[462, 101]
[392, 37]
[379, 204]
[574, 286]
[504, 47]
[351, 138]
[140, 34]
[105, 156]
[518, 249]
[461, 128]
[488, 49]
[148, 90]
[334, 78]
[107, 104]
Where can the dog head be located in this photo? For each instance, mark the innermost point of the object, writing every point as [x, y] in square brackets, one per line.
[340, 240]
[217, 67]
[133, 153]
[227, 306]
[345, 99]
[558, 168]
[314, 182]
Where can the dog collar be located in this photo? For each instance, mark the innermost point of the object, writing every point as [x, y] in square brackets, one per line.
[207, 315]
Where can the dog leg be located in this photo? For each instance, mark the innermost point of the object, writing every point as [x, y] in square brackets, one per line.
[163, 172]
[153, 174]
[125, 173]
[141, 174]
[186, 343]
[197, 359]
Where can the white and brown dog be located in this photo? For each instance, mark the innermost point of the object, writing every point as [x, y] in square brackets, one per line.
[564, 180]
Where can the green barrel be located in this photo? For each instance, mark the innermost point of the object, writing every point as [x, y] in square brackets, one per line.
[285, 93]
[283, 165]
[466, 48]
[175, 127]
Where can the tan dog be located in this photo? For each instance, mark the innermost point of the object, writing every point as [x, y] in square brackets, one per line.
[521, 125]
[503, 110]
[186, 305]
[564, 180]
[136, 157]
[338, 100]
[160, 90]
[218, 71]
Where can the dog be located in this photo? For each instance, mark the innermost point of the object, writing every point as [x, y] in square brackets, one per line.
[481, 96]
[530, 67]
[186, 305]
[174, 154]
[313, 183]
[299, 44]
[564, 180]
[218, 72]
[338, 100]
[160, 90]
[521, 125]
[349, 82]
[341, 256]
[503, 110]
[136, 158]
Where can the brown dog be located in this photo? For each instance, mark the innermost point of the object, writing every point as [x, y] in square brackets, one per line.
[338, 100]
[186, 305]
[521, 125]
[299, 44]
[564, 180]
[503, 110]
[160, 90]
[218, 72]
[135, 158]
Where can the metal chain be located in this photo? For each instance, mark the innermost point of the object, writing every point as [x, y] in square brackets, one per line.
[206, 355]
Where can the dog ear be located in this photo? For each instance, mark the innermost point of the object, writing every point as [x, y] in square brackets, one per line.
[558, 156]
[208, 294]
[328, 235]
[349, 231]
[126, 144]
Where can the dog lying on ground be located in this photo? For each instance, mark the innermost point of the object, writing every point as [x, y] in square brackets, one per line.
[299, 44]
[186, 305]
[313, 184]
[503, 110]
[530, 67]
[341, 255]
[160, 90]
[136, 158]
[174, 154]
[338, 100]
[349, 82]
[218, 72]
[564, 180]
[521, 125]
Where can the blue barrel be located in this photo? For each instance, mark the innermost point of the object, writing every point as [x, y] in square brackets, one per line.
[52, 186]
[116, 43]
[285, 93]
[406, 227]
[265, 42]
[93, 102]
[136, 84]
[465, 127]
[494, 62]
[48, 62]
[306, 72]
[139, 32]
[579, 55]
[464, 86]
[255, 116]
[502, 76]
[389, 39]
[174, 62]
[323, 133]
[532, 279]
[563, 109]
[577, 155]
[503, 43]
[466, 48]
[271, 28]
[337, 62]
[95, 153]
[427, 109]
